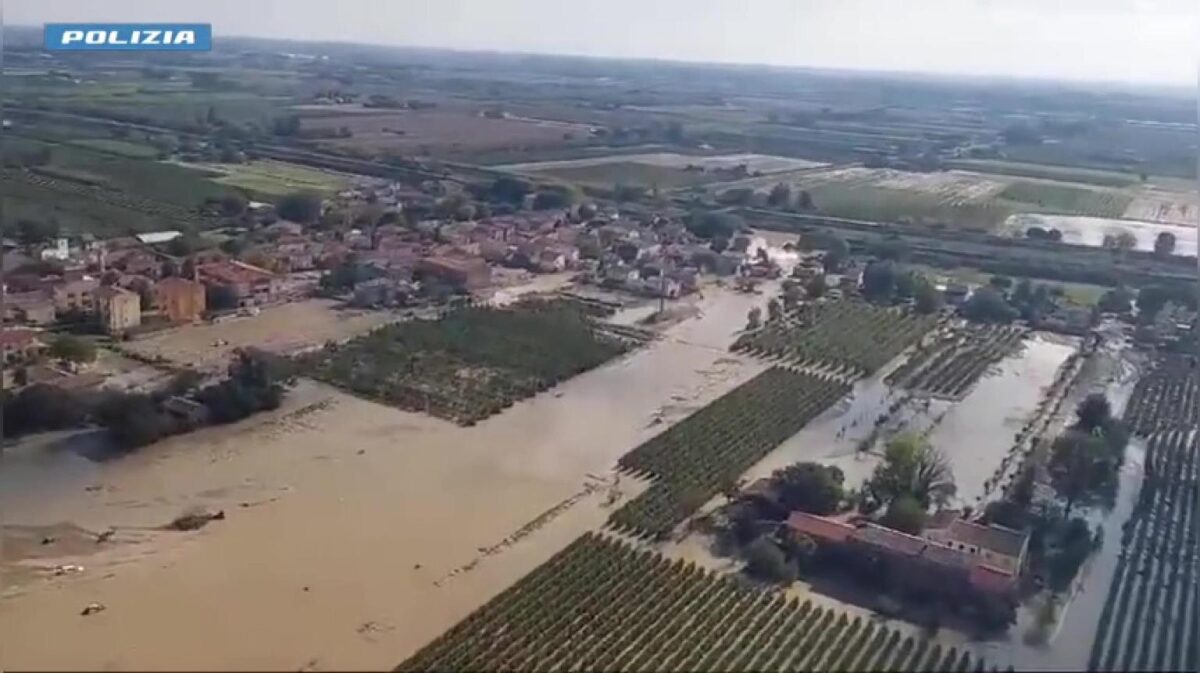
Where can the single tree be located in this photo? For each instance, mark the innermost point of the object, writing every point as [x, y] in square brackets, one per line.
[810, 487]
[303, 207]
[912, 467]
[766, 561]
[926, 297]
[1093, 413]
[754, 318]
[1082, 469]
[1164, 244]
[73, 348]
[988, 305]
[879, 280]
[780, 196]
[837, 250]
[774, 310]
[906, 515]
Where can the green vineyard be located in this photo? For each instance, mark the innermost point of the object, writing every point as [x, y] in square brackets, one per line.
[1166, 398]
[696, 458]
[1151, 618]
[473, 362]
[603, 605]
[956, 360]
[849, 337]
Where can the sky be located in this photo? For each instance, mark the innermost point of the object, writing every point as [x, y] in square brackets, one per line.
[1143, 41]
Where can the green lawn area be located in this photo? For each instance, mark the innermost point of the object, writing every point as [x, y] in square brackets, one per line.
[267, 179]
[120, 147]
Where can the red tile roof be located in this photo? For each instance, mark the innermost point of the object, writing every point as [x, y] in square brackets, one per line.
[992, 579]
[233, 272]
[819, 527]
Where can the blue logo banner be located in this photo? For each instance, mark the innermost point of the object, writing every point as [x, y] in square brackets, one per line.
[128, 36]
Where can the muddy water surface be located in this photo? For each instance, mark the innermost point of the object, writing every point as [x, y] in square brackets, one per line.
[354, 533]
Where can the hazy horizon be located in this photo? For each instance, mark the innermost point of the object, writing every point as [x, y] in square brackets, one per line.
[1149, 42]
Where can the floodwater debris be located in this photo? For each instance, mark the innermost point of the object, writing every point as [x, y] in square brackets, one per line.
[93, 608]
[67, 568]
[194, 520]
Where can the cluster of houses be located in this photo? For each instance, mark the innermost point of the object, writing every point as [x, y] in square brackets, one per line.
[122, 283]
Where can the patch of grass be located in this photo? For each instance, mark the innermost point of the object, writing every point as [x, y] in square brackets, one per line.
[274, 178]
[119, 147]
[1047, 197]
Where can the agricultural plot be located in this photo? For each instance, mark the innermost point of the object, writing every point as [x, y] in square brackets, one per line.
[851, 338]
[962, 199]
[473, 362]
[603, 605]
[696, 458]
[1151, 618]
[119, 147]
[954, 362]
[83, 203]
[1168, 398]
[442, 131]
[1047, 172]
[1050, 197]
[268, 179]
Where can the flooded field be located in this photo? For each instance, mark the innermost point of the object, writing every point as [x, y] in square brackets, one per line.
[974, 434]
[1092, 230]
[208, 346]
[342, 517]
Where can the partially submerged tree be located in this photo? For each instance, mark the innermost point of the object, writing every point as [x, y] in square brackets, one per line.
[911, 467]
[1164, 244]
[810, 487]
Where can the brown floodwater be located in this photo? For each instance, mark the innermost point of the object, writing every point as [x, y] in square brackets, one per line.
[354, 532]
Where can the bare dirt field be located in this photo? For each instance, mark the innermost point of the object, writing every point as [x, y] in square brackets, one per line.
[354, 532]
[444, 130]
[281, 329]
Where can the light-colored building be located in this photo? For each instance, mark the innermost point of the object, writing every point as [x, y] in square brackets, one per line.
[78, 294]
[119, 309]
[180, 299]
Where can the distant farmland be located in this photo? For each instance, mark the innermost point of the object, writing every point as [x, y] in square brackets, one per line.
[665, 170]
[954, 198]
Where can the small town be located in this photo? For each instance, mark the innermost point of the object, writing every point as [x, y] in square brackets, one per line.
[811, 344]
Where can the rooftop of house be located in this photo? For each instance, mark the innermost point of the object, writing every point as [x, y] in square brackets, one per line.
[233, 272]
[112, 291]
[820, 527]
[993, 538]
[154, 237]
[177, 283]
[17, 338]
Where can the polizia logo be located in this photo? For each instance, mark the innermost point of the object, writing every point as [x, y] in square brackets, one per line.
[128, 36]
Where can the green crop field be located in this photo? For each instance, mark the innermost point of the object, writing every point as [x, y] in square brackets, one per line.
[604, 605]
[268, 179]
[121, 147]
[1063, 199]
